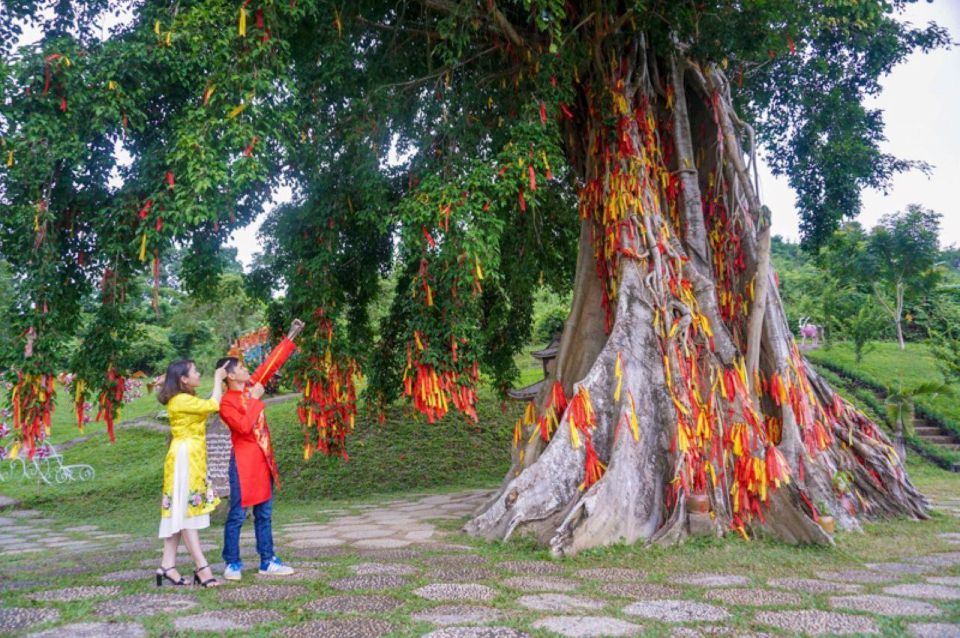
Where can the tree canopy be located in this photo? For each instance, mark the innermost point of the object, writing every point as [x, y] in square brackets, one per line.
[437, 138]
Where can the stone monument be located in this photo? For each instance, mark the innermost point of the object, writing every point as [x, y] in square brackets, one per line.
[218, 455]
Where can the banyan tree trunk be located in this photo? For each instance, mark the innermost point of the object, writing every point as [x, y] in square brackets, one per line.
[677, 374]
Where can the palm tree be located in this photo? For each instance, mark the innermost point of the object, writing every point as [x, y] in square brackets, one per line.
[901, 405]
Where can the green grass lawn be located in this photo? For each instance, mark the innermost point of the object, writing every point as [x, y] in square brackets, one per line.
[888, 365]
[531, 370]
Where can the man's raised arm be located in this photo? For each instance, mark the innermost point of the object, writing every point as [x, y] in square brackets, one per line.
[278, 356]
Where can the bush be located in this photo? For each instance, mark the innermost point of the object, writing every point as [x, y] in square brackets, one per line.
[550, 324]
[151, 351]
[550, 311]
[186, 338]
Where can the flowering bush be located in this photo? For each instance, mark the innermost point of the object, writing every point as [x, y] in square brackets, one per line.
[133, 390]
[4, 432]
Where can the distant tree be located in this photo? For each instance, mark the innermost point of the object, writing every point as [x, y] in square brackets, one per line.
[902, 252]
[150, 351]
[799, 279]
[838, 288]
[863, 325]
[842, 254]
[950, 257]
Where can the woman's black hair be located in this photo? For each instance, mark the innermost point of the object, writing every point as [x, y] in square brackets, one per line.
[171, 382]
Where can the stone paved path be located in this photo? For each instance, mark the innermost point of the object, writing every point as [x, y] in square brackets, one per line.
[393, 570]
[399, 524]
[27, 531]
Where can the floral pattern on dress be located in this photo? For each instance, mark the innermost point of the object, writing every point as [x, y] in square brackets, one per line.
[198, 498]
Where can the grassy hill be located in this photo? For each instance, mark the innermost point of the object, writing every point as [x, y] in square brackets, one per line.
[888, 366]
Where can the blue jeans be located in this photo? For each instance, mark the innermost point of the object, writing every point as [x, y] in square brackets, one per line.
[262, 523]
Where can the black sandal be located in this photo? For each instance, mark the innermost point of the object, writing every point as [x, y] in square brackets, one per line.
[204, 583]
[162, 575]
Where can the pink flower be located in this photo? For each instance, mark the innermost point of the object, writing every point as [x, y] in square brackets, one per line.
[165, 502]
[196, 500]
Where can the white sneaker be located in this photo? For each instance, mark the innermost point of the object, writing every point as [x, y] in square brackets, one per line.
[276, 568]
[232, 571]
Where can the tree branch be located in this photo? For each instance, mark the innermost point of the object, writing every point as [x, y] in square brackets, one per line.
[440, 72]
[500, 22]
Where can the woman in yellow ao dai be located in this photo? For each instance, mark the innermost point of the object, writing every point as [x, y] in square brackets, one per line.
[187, 498]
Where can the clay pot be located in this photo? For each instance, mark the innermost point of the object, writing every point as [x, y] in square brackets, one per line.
[699, 503]
[827, 523]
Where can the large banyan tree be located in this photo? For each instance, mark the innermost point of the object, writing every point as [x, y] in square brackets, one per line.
[473, 150]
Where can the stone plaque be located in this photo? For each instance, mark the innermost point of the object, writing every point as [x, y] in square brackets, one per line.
[218, 455]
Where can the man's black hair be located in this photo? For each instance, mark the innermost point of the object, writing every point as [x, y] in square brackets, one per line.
[230, 361]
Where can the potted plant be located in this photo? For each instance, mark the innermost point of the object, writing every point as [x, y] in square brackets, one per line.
[842, 481]
[699, 502]
[826, 518]
[843, 485]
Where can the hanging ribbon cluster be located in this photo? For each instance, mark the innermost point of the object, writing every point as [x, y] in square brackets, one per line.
[328, 405]
[328, 408]
[80, 405]
[32, 399]
[111, 400]
[546, 424]
[526, 420]
[434, 381]
[758, 467]
[431, 392]
[728, 262]
[553, 411]
[55, 63]
[582, 421]
[258, 22]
